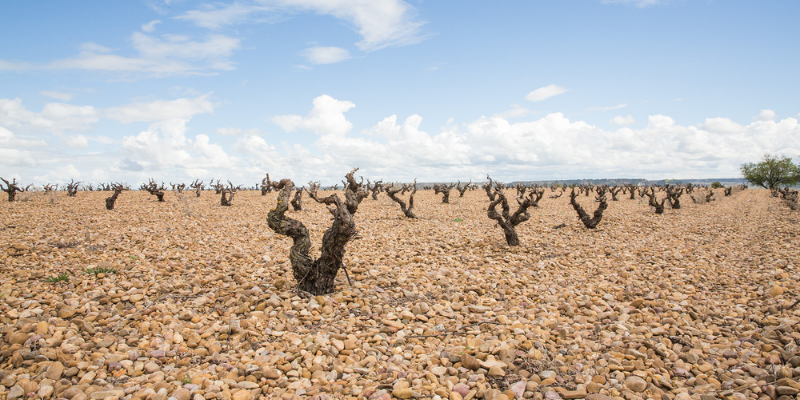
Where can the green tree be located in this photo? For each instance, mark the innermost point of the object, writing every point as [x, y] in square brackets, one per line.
[772, 172]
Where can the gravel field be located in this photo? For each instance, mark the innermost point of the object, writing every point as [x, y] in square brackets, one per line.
[187, 299]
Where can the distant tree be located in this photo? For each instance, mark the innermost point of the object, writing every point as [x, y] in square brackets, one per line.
[772, 172]
[717, 185]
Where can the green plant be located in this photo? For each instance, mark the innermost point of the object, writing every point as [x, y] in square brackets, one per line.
[186, 379]
[100, 270]
[717, 185]
[134, 258]
[62, 277]
[772, 172]
[458, 219]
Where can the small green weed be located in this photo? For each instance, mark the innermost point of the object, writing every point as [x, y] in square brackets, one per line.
[458, 219]
[134, 258]
[62, 277]
[186, 379]
[100, 270]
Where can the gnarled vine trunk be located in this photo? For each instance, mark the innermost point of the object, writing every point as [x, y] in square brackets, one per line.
[317, 276]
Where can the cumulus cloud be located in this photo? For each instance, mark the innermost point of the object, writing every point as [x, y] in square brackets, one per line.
[326, 117]
[164, 146]
[721, 125]
[544, 93]
[13, 152]
[230, 131]
[325, 55]
[765, 115]
[54, 117]
[56, 95]
[515, 112]
[620, 120]
[160, 110]
[150, 26]
[76, 142]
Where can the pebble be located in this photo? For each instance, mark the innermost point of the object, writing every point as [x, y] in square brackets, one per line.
[434, 311]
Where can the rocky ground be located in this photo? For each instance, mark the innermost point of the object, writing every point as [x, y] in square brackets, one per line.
[190, 300]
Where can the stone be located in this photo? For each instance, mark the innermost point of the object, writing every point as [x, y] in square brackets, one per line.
[151, 367]
[17, 337]
[776, 291]
[469, 362]
[182, 394]
[518, 389]
[552, 395]
[787, 390]
[402, 393]
[66, 312]
[461, 389]
[45, 391]
[636, 384]
[55, 370]
[42, 328]
[597, 396]
[102, 394]
[242, 395]
[573, 394]
[15, 392]
[271, 373]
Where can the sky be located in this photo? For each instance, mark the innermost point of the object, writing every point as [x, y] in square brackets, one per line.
[444, 90]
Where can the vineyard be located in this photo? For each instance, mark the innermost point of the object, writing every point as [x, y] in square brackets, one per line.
[193, 298]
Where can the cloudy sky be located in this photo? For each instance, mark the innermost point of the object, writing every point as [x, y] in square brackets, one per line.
[176, 90]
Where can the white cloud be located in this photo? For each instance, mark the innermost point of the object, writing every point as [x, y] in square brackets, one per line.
[326, 117]
[76, 142]
[620, 120]
[150, 26]
[545, 92]
[164, 146]
[57, 95]
[13, 152]
[515, 112]
[765, 115]
[55, 117]
[215, 50]
[160, 110]
[617, 107]
[157, 57]
[230, 131]
[214, 17]
[721, 125]
[381, 23]
[326, 55]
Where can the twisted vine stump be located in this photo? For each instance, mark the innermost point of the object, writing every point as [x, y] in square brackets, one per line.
[653, 202]
[297, 201]
[392, 191]
[266, 186]
[72, 188]
[463, 189]
[674, 196]
[506, 220]
[589, 222]
[111, 200]
[317, 276]
[444, 189]
[11, 188]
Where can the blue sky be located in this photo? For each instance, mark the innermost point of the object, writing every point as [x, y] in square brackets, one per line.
[439, 90]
